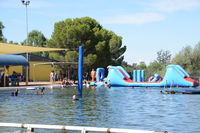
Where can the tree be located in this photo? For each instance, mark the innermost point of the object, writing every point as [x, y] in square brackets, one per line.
[36, 38]
[71, 56]
[183, 58]
[189, 59]
[12, 42]
[164, 57]
[141, 66]
[155, 67]
[116, 49]
[129, 68]
[101, 47]
[195, 58]
[1, 32]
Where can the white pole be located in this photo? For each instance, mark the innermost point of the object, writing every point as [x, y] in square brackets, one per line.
[27, 67]
[26, 3]
[77, 128]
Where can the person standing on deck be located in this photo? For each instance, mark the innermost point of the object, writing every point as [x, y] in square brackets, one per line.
[93, 75]
[52, 76]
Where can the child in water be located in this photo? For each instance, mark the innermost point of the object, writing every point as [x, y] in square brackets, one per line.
[15, 93]
[42, 91]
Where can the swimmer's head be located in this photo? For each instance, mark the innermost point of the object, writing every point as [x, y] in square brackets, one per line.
[74, 97]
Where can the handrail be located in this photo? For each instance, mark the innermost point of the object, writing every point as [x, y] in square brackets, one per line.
[83, 129]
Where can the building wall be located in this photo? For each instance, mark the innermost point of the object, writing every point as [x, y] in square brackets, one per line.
[17, 69]
[37, 72]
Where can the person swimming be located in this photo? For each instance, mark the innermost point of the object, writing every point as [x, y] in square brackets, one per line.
[74, 98]
[42, 91]
[107, 85]
[15, 93]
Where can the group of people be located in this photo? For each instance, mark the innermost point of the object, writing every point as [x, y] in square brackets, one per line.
[61, 76]
[12, 80]
[87, 78]
[15, 78]
[39, 90]
[56, 77]
[66, 83]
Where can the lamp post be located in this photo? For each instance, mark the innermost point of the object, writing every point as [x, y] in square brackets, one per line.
[26, 3]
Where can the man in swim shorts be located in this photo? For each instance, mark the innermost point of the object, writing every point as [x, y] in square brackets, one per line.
[93, 75]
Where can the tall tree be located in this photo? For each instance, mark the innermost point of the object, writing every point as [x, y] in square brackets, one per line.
[36, 38]
[155, 67]
[101, 46]
[1, 32]
[189, 59]
[164, 57]
[195, 60]
[141, 66]
[183, 58]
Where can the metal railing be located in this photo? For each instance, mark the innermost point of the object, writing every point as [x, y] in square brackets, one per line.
[31, 127]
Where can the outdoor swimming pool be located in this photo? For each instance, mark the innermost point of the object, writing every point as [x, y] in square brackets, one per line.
[133, 108]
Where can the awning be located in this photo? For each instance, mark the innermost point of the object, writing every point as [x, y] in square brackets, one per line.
[14, 49]
[13, 60]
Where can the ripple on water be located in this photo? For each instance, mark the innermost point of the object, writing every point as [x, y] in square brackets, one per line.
[134, 108]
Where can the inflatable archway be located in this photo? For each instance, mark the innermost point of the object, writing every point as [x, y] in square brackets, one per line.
[100, 73]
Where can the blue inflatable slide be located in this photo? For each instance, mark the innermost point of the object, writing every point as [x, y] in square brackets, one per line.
[175, 76]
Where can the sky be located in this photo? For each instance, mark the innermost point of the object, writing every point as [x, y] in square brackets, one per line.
[147, 26]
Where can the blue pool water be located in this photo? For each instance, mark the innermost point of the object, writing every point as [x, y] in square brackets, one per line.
[133, 108]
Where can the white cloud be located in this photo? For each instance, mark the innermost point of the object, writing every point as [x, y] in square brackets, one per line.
[174, 5]
[139, 18]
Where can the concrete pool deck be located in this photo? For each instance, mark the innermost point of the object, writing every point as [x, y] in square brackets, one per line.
[22, 85]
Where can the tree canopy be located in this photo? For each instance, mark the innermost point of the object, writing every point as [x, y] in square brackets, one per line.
[189, 59]
[1, 32]
[36, 38]
[164, 57]
[157, 66]
[101, 46]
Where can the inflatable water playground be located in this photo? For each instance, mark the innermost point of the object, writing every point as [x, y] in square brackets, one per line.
[175, 76]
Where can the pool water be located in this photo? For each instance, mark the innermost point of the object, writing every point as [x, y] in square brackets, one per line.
[132, 108]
